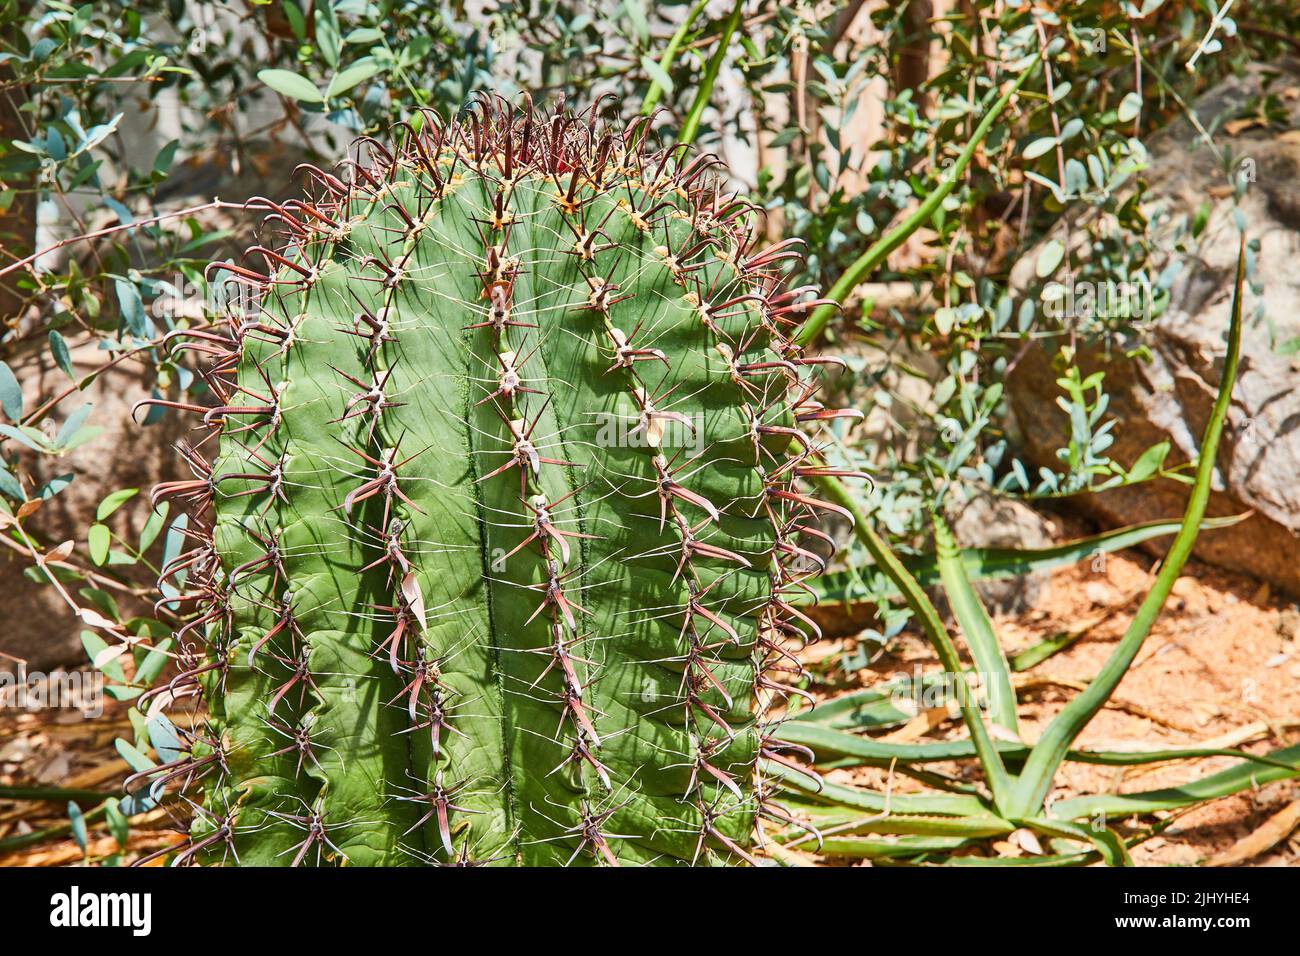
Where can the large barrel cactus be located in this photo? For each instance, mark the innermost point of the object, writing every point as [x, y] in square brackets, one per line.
[497, 515]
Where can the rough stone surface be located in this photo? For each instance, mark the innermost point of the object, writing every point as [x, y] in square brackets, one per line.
[989, 522]
[1170, 397]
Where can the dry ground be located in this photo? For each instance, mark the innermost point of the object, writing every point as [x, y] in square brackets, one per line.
[1221, 668]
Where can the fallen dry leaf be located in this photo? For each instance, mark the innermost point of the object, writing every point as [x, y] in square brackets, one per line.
[1263, 838]
[918, 726]
[1234, 127]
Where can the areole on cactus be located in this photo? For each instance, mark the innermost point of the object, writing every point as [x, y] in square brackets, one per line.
[497, 514]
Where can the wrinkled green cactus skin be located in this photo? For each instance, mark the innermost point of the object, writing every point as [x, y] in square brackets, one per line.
[500, 514]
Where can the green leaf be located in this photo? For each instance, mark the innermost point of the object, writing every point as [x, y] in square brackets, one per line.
[1106, 841]
[1049, 258]
[990, 661]
[886, 848]
[152, 527]
[327, 34]
[1129, 107]
[33, 438]
[636, 12]
[1040, 146]
[114, 501]
[834, 794]
[9, 485]
[11, 395]
[128, 297]
[657, 74]
[134, 758]
[828, 743]
[78, 825]
[72, 424]
[346, 79]
[292, 85]
[1247, 775]
[98, 539]
[80, 437]
[872, 708]
[1149, 462]
[1035, 654]
[364, 35]
[59, 349]
[836, 745]
[96, 649]
[163, 161]
[991, 564]
[153, 663]
[118, 824]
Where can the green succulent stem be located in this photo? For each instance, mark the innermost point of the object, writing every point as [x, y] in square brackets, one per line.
[670, 56]
[862, 267]
[493, 541]
[691, 125]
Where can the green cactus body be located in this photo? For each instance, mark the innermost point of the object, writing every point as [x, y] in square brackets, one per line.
[501, 515]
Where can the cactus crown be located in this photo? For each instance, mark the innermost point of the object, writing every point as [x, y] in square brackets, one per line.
[498, 515]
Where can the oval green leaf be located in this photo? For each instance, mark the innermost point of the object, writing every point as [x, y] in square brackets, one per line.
[290, 84]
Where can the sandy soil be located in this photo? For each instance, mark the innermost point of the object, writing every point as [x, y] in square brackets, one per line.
[1221, 668]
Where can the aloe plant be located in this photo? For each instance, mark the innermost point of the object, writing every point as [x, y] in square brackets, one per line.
[945, 823]
[495, 516]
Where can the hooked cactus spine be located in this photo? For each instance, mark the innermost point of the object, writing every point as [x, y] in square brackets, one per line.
[498, 516]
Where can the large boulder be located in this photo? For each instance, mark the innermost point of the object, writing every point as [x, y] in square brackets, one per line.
[1169, 398]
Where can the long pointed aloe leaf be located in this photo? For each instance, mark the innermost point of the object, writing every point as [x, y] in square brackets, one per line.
[868, 848]
[827, 742]
[992, 564]
[857, 798]
[994, 770]
[990, 661]
[1036, 779]
[1048, 860]
[1245, 775]
[691, 125]
[836, 743]
[1108, 844]
[1037, 653]
[875, 707]
[984, 825]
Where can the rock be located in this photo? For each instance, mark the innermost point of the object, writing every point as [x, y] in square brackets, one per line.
[1100, 594]
[1170, 397]
[1288, 623]
[989, 522]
